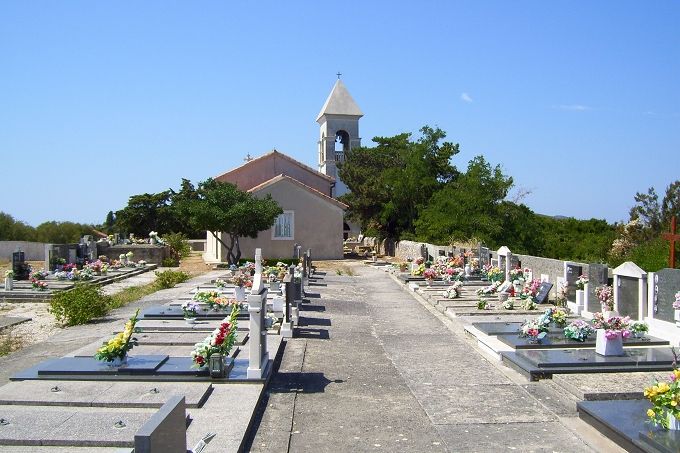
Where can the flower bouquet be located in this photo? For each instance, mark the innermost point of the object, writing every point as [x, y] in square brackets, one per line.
[39, 275]
[494, 274]
[559, 316]
[223, 303]
[38, 284]
[141, 263]
[491, 289]
[530, 290]
[508, 304]
[534, 330]
[206, 297]
[220, 341]
[516, 274]
[240, 279]
[483, 304]
[639, 329]
[220, 283]
[10, 274]
[665, 399]
[453, 291]
[429, 274]
[528, 304]
[605, 294]
[578, 330]
[190, 309]
[581, 282]
[418, 270]
[613, 326]
[114, 351]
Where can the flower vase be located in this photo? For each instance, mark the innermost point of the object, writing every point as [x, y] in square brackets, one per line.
[152, 241]
[502, 297]
[117, 361]
[428, 282]
[673, 422]
[240, 293]
[608, 346]
[190, 320]
[580, 298]
[467, 270]
[9, 283]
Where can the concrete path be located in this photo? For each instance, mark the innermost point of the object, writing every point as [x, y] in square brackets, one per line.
[374, 369]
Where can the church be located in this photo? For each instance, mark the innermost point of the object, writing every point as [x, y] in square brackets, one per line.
[312, 216]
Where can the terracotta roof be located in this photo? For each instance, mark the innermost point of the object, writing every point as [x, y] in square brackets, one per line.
[275, 153]
[312, 190]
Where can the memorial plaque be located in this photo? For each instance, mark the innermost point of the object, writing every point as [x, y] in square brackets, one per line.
[666, 284]
[629, 297]
[571, 273]
[543, 292]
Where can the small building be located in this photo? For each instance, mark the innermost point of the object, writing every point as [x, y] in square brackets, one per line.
[311, 217]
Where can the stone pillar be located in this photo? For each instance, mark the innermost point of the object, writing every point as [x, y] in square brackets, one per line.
[257, 306]
[310, 269]
[290, 310]
[504, 255]
[49, 253]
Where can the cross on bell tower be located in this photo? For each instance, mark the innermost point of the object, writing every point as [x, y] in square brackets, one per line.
[339, 132]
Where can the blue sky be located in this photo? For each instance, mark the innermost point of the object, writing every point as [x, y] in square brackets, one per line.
[578, 101]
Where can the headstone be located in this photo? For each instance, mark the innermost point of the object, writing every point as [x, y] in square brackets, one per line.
[19, 266]
[72, 255]
[545, 278]
[543, 292]
[503, 264]
[92, 250]
[50, 257]
[572, 272]
[666, 283]
[287, 326]
[257, 306]
[166, 430]
[598, 275]
[630, 290]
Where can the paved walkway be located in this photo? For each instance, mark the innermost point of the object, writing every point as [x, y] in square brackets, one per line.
[374, 369]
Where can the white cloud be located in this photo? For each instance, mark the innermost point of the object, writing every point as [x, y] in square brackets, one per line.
[572, 107]
[465, 98]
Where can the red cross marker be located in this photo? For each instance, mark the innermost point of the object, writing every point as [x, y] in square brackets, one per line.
[672, 237]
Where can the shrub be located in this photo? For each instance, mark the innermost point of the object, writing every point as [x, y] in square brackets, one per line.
[179, 245]
[168, 279]
[170, 262]
[79, 305]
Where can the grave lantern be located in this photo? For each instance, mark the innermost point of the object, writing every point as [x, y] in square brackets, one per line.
[216, 366]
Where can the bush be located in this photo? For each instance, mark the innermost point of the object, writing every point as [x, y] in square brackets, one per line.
[170, 262]
[79, 305]
[168, 279]
[179, 245]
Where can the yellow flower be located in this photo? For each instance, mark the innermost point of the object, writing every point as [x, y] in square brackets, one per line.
[650, 413]
[674, 403]
[663, 387]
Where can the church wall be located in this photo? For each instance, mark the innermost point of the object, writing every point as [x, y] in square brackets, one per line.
[317, 225]
[261, 170]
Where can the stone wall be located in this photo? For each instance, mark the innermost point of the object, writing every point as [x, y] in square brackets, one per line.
[152, 254]
[197, 245]
[33, 251]
[551, 267]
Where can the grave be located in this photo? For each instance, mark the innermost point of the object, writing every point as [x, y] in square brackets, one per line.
[625, 422]
[543, 292]
[665, 283]
[598, 275]
[630, 290]
[19, 266]
[543, 363]
[175, 312]
[166, 430]
[572, 271]
[557, 340]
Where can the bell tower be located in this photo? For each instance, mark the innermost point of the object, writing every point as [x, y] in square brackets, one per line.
[339, 132]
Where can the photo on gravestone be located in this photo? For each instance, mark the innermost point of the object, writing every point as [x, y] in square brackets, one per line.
[543, 292]
[572, 273]
[666, 283]
[629, 298]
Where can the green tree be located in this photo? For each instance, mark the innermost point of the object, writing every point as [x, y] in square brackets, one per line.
[109, 222]
[15, 230]
[392, 182]
[144, 213]
[466, 207]
[222, 207]
[61, 232]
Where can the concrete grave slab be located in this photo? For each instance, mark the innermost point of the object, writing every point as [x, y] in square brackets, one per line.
[622, 386]
[101, 393]
[10, 321]
[557, 340]
[80, 427]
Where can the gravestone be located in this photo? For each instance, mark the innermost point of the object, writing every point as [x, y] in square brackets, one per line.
[598, 275]
[503, 264]
[50, 257]
[572, 272]
[166, 430]
[666, 283]
[287, 326]
[19, 266]
[73, 255]
[630, 290]
[92, 250]
[257, 306]
[543, 292]
[484, 256]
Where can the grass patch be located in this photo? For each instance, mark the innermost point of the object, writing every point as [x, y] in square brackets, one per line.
[345, 270]
[131, 294]
[8, 342]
